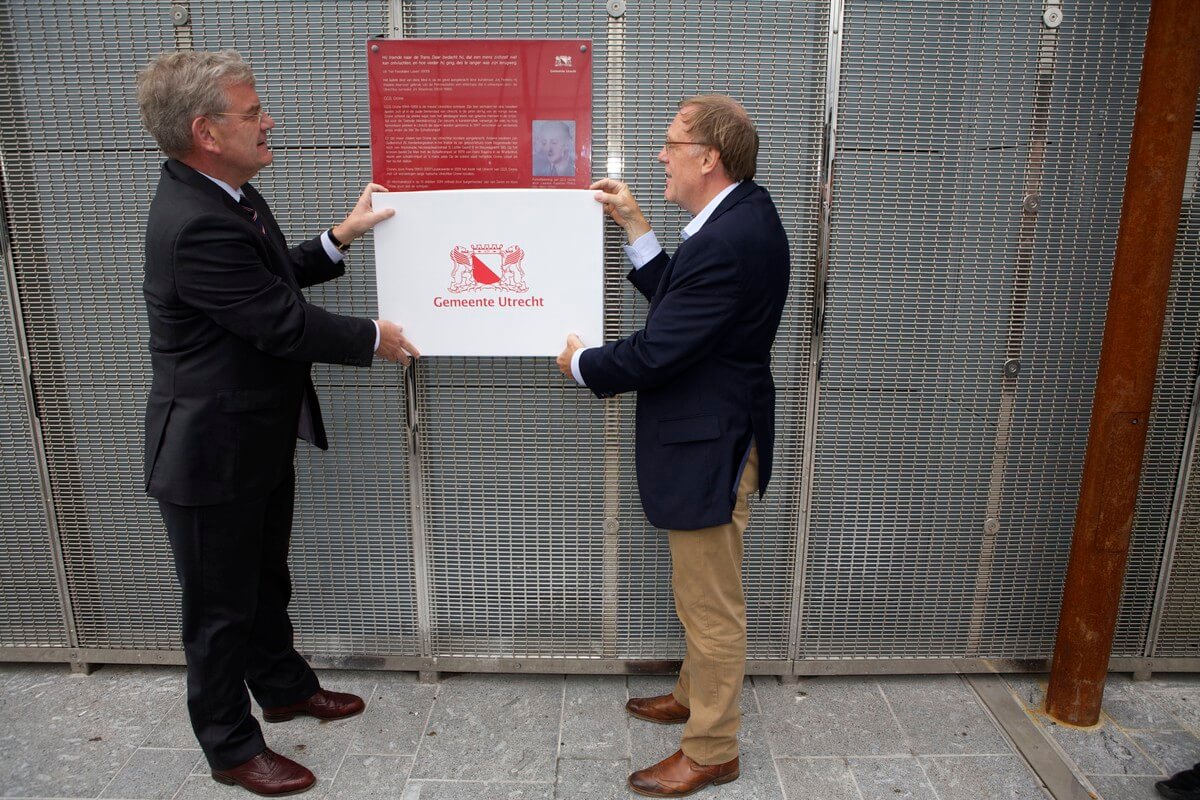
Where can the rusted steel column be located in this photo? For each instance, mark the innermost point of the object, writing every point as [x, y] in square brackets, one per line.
[1158, 154]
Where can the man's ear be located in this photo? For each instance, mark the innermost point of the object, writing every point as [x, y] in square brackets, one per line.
[711, 162]
[202, 136]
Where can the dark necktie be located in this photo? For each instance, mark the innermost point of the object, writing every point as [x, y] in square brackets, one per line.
[244, 205]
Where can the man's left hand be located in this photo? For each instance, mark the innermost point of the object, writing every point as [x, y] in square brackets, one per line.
[564, 358]
[362, 218]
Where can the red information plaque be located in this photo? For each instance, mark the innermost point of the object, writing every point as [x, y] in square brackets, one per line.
[480, 113]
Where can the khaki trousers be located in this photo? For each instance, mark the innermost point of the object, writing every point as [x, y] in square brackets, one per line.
[706, 567]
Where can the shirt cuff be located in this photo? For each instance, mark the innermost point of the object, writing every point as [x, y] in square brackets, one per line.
[336, 257]
[644, 249]
[377, 336]
[575, 373]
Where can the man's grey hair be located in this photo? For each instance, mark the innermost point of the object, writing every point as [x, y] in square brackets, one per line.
[175, 88]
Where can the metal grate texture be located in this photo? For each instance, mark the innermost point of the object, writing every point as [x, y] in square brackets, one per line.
[351, 553]
[511, 454]
[774, 64]
[31, 613]
[76, 177]
[980, 162]
[945, 491]
[1178, 373]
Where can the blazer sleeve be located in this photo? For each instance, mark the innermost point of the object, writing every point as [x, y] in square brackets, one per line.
[691, 318]
[220, 273]
[311, 264]
[647, 278]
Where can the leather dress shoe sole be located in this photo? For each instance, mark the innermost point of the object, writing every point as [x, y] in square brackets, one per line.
[661, 710]
[290, 715]
[679, 721]
[324, 705]
[232, 782]
[714, 782]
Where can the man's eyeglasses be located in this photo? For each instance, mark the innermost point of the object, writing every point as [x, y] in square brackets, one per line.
[256, 115]
[668, 144]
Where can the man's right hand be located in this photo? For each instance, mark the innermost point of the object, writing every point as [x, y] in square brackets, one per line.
[393, 346]
[620, 205]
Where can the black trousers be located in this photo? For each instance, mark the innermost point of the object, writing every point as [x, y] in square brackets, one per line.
[232, 566]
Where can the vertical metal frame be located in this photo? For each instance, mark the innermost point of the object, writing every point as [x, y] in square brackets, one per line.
[615, 168]
[833, 80]
[397, 27]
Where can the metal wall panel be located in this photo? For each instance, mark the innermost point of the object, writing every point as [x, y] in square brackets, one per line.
[351, 556]
[771, 57]
[944, 491]
[511, 454]
[527, 539]
[1178, 633]
[31, 611]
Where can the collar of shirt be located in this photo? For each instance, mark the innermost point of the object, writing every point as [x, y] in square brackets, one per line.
[236, 194]
[706, 212]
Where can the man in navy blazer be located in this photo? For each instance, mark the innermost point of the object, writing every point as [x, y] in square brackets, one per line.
[232, 341]
[705, 411]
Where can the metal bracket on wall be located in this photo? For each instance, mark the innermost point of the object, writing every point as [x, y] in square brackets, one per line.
[181, 18]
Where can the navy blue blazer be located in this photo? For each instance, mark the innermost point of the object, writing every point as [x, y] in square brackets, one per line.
[702, 364]
[232, 341]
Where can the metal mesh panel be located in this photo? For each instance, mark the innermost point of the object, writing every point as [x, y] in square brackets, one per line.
[1096, 73]
[512, 463]
[351, 552]
[31, 612]
[76, 178]
[1179, 631]
[939, 271]
[1179, 628]
[933, 284]
[774, 64]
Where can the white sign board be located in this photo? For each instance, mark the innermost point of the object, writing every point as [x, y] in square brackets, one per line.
[492, 272]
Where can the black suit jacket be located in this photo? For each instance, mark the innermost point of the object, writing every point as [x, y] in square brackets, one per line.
[702, 364]
[232, 341]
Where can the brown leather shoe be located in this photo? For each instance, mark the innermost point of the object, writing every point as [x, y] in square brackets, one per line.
[268, 773]
[664, 709]
[679, 776]
[322, 705]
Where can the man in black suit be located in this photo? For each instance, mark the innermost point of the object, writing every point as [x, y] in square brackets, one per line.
[705, 411]
[232, 341]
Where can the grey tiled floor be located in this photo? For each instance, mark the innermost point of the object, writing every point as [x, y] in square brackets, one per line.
[123, 733]
[1147, 730]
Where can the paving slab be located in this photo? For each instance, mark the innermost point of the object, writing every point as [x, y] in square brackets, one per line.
[891, 778]
[942, 715]
[595, 724]
[84, 727]
[592, 780]
[809, 778]
[476, 790]
[397, 710]
[492, 728]
[975, 777]
[153, 774]
[1102, 750]
[371, 777]
[830, 717]
[1124, 787]
[1171, 751]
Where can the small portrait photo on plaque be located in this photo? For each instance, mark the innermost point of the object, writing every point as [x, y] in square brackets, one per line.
[554, 147]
